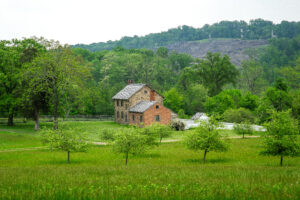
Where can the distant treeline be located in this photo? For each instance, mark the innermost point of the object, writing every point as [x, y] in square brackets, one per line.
[255, 29]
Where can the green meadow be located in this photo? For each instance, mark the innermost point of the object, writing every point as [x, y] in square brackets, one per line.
[168, 171]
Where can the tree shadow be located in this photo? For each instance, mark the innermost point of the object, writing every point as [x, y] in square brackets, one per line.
[212, 160]
[148, 155]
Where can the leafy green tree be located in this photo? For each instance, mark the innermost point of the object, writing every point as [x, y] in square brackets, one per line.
[244, 128]
[216, 71]
[249, 101]
[13, 55]
[173, 100]
[206, 137]
[251, 76]
[278, 96]
[218, 104]
[129, 141]
[162, 131]
[59, 73]
[238, 115]
[162, 52]
[195, 96]
[65, 140]
[281, 138]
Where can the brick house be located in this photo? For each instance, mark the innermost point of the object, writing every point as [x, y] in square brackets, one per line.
[138, 103]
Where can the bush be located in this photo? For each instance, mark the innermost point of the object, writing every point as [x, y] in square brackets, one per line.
[107, 134]
[177, 125]
[238, 115]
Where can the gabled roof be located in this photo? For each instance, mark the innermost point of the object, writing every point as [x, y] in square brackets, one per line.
[142, 106]
[128, 91]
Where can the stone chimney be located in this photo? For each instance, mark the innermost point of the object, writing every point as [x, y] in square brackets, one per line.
[130, 82]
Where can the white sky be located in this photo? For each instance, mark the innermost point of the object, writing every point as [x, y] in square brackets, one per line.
[88, 21]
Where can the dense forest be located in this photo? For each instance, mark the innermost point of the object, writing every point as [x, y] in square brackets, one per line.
[255, 29]
[38, 76]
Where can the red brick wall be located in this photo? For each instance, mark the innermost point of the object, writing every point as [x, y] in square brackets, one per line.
[163, 112]
[136, 118]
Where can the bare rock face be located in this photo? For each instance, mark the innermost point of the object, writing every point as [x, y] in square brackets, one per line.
[234, 48]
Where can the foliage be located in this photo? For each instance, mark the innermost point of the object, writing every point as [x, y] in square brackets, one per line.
[58, 73]
[218, 104]
[255, 29]
[129, 141]
[162, 131]
[195, 96]
[249, 101]
[177, 125]
[206, 137]
[238, 115]
[281, 138]
[173, 100]
[107, 134]
[68, 140]
[244, 128]
[216, 71]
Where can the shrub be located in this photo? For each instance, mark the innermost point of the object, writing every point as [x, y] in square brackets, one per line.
[238, 115]
[177, 125]
[107, 134]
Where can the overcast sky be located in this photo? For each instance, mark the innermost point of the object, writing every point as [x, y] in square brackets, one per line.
[88, 21]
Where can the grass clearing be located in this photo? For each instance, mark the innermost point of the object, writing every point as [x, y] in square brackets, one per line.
[169, 171]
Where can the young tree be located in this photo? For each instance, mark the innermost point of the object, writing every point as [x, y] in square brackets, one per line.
[281, 138]
[65, 140]
[162, 131]
[244, 128]
[206, 137]
[129, 141]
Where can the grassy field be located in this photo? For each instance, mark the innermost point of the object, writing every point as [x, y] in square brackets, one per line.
[168, 171]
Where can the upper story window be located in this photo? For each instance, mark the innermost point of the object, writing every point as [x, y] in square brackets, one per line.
[157, 106]
[118, 103]
[145, 91]
[121, 103]
[126, 106]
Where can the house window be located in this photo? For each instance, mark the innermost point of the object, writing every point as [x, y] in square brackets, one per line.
[118, 114]
[145, 91]
[121, 103]
[157, 118]
[122, 115]
[157, 106]
[118, 103]
[133, 118]
[141, 118]
[125, 117]
[126, 106]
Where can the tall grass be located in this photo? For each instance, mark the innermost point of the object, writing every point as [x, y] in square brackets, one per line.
[169, 171]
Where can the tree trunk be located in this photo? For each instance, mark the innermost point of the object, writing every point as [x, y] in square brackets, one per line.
[36, 118]
[55, 110]
[10, 121]
[281, 159]
[68, 157]
[126, 159]
[204, 155]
